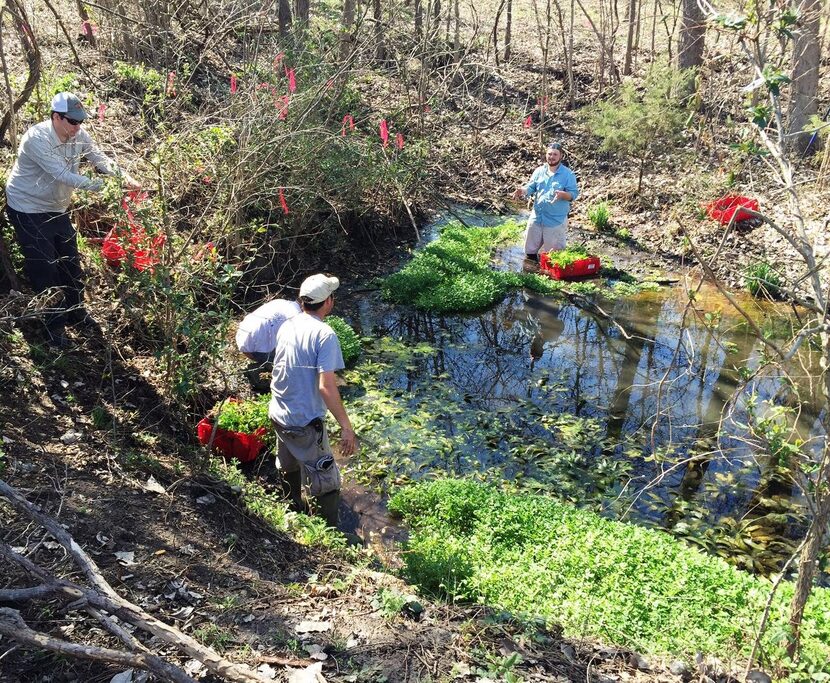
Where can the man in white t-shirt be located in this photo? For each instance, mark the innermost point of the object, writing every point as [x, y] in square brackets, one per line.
[303, 388]
[256, 336]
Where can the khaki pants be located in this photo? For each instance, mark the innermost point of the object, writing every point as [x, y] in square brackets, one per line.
[306, 449]
[543, 238]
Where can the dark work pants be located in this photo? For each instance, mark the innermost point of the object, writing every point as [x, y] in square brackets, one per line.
[50, 249]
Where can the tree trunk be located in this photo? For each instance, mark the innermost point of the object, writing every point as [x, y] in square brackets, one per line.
[8, 278]
[301, 11]
[633, 20]
[380, 45]
[346, 36]
[808, 563]
[456, 43]
[86, 26]
[806, 55]
[508, 29]
[419, 18]
[32, 52]
[284, 17]
[691, 40]
[814, 542]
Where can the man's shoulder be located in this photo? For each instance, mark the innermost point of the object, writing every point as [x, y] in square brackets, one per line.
[39, 131]
[306, 323]
[278, 307]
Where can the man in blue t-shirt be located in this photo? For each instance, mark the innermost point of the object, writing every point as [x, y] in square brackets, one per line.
[303, 387]
[552, 188]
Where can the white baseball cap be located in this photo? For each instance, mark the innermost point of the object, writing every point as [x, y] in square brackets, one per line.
[69, 104]
[318, 288]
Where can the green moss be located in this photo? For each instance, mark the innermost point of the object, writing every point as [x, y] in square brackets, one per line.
[629, 585]
[762, 280]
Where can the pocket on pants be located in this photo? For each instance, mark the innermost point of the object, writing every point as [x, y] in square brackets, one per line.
[323, 475]
[309, 447]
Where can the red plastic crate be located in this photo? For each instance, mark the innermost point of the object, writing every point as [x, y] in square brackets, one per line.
[243, 447]
[730, 205]
[585, 267]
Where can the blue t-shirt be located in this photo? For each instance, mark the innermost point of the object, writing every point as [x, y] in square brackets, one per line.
[543, 185]
[306, 346]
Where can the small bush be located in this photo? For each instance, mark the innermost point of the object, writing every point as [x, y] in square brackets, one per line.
[762, 280]
[141, 81]
[349, 341]
[600, 216]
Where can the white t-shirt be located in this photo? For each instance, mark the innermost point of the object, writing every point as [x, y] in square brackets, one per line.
[306, 347]
[257, 332]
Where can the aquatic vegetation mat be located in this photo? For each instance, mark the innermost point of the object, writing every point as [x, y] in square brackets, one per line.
[425, 410]
[620, 582]
[454, 274]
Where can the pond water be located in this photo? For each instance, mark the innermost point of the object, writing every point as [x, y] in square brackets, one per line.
[633, 406]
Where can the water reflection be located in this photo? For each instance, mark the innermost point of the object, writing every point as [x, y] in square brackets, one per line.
[652, 383]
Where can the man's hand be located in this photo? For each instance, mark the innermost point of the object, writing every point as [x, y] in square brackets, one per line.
[348, 441]
[518, 193]
[131, 182]
[563, 194]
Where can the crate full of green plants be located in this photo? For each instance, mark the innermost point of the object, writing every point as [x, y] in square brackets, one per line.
[569, 263]
[237, 429]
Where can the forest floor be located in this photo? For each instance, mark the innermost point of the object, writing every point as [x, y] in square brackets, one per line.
[204, 564]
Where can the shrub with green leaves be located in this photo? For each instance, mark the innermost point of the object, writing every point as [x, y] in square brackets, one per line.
[762, 280]
[454, 273]
[569, 255]
[140, 80]
[600, 215]
[640, 121]
[349, 341]
[632, 586]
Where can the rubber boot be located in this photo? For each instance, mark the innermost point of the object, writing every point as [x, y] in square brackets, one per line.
[327, 506]
[292, 489]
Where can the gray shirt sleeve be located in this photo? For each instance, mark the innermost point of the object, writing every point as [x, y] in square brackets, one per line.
[101, 162]
[330, 357]
[38, 148]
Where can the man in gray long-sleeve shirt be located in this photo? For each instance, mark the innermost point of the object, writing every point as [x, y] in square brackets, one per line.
[38, 193]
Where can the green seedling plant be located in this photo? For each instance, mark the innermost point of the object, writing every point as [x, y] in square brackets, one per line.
[214, 636]
[272, 510]
[244, 417]
[454, 272]
[762, 280]
[389, 602]
[600, 216]
[568, 256]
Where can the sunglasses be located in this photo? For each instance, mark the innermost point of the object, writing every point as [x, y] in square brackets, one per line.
[71, 122]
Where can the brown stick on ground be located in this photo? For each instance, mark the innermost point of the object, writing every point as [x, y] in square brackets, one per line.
[103, 597]
[13, 626]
